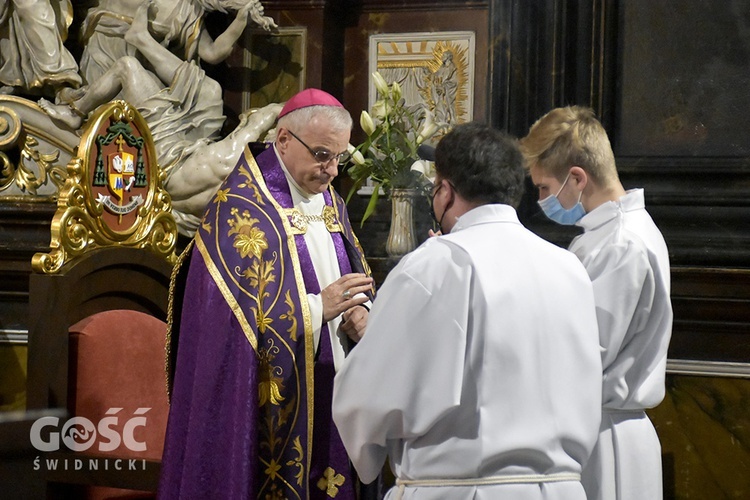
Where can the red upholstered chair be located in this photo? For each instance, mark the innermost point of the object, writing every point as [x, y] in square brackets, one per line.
[122, 349]
[98, 303]
[97, 344]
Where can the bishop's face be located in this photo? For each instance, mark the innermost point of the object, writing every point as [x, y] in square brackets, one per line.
[302, 149]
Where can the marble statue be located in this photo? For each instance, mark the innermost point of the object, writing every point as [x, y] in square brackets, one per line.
[177, 24]
[192, 185]
[182, 106]
[32, 55]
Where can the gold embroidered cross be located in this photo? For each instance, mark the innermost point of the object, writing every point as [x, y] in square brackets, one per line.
[330, 482]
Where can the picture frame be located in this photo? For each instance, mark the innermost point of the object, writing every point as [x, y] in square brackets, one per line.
[275, 64]
[435, 70]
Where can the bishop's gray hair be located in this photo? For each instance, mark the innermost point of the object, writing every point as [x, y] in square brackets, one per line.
[339, 119]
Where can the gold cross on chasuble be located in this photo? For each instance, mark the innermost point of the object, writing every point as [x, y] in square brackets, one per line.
[300, 221]
[330, 482]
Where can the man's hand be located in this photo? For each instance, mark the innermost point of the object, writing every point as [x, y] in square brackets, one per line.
[355, 321]
[344, 293]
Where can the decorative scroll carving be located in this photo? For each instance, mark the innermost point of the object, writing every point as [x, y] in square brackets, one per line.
[33, 151]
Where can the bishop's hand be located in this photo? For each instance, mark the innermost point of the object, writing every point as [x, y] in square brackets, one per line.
[344, 293]
[355, 322]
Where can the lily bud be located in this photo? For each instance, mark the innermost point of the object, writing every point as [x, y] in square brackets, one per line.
[365, 121]
[380, 83]
[427, 132]
[396, 89]
[358, 158]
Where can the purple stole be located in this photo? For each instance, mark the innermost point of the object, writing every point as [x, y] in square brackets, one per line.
[251, 402]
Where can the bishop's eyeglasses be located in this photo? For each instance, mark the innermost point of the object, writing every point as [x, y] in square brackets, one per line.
[322, 155]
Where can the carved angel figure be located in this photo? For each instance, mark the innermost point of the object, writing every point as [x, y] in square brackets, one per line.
[32, 54]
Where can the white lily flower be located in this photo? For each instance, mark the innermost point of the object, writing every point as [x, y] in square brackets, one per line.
[426, 168]
[379, 109]
[394, 131]
[380, 83]
[429, 127]
[365, 121]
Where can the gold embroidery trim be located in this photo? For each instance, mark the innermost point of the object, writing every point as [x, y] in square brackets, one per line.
[227, 293]
[330, 482]
[170, 311]
[306, 315]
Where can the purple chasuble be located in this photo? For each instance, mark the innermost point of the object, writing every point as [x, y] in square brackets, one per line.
[250, 412]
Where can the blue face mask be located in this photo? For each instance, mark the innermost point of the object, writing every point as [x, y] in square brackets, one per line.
[552, 208]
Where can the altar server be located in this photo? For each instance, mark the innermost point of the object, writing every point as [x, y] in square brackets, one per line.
[571, 162]
[478, 375]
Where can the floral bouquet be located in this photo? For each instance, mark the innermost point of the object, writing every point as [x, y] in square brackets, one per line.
[388, 155]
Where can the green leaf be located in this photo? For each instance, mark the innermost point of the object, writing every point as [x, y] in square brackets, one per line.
[372, 205]
[354, 189]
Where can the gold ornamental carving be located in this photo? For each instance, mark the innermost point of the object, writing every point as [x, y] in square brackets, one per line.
[113, 194]
[32, 155]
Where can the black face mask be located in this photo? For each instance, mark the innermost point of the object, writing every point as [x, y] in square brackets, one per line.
[432, 209]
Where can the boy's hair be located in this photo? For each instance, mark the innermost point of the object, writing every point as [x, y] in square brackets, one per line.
[570, 136]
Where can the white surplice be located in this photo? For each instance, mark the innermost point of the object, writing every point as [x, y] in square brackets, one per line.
[325, 261]
[480, 359]
[627, 260]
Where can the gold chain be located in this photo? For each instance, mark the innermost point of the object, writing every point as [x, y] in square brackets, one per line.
[300, 221]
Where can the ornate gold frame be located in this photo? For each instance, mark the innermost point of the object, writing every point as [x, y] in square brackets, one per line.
[423, 53]
[81, 223]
